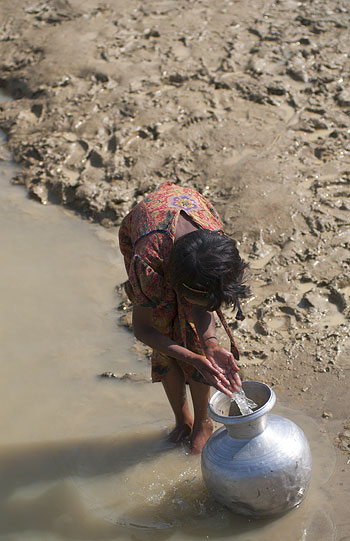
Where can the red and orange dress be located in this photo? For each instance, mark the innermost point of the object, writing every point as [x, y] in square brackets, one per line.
[146, 238]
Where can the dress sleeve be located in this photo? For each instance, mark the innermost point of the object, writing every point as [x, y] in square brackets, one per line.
[147, 282]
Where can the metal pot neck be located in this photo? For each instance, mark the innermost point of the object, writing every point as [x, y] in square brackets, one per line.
[244, 426]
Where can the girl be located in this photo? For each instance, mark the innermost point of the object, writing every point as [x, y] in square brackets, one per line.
[181, 268]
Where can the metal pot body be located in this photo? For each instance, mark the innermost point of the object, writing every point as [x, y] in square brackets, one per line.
[258, 464]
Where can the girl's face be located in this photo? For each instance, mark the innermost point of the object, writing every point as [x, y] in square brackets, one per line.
[198, 301]
[194, 296]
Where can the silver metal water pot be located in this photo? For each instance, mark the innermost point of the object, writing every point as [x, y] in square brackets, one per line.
[257, 464]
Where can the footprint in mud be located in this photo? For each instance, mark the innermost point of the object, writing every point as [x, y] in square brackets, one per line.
[325, 307]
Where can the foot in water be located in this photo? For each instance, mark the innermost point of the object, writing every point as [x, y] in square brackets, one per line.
[200, 436]
[180, 433]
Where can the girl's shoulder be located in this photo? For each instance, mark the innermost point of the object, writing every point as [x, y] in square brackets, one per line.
[160, 209]
[169, 200]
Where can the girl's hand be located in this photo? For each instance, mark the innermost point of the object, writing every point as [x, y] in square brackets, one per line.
[213, 374]
[224, 360]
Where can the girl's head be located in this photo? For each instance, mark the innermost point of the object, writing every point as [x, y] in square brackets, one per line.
[206, 268]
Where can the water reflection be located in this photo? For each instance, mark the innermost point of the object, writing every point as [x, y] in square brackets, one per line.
[28, 463]
[37, 479]
[133, 486]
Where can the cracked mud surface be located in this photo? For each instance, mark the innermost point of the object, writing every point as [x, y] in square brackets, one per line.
[249, 106]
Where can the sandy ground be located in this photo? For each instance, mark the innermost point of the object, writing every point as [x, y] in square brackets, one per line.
[246, 101]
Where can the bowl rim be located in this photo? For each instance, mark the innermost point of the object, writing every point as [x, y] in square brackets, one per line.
[238, 419]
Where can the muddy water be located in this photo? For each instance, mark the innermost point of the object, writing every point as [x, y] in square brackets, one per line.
[83, 457]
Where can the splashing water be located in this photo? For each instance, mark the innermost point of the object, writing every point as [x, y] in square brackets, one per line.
[245, 404]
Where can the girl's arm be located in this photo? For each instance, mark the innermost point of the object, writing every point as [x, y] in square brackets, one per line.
[144, 331]
[205, 326]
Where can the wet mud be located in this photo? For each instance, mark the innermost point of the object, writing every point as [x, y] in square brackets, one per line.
[249, 104]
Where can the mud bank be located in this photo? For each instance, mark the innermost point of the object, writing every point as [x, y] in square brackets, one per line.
[247, 102]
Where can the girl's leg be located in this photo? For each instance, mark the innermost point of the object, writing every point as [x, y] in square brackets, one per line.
[175, 389]
[203, 426]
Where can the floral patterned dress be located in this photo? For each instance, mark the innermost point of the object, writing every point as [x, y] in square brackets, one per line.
[146, 238]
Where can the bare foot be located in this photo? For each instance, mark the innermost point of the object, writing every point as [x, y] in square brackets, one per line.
[180, 433]
[200, 436]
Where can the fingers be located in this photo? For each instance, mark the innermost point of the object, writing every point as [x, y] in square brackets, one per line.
[214, 364]
[220, 387]
[217, 380]
[230, 371]
[233, 383]
[223, 379]
[233, 375]
[235, 366]
[235, 387]
[237, 380]
[224, 390]
[231, 361]
[226, 359]
[217, 372]
[222, 384]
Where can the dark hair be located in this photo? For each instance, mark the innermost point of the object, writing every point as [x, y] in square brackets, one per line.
[209, 261]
